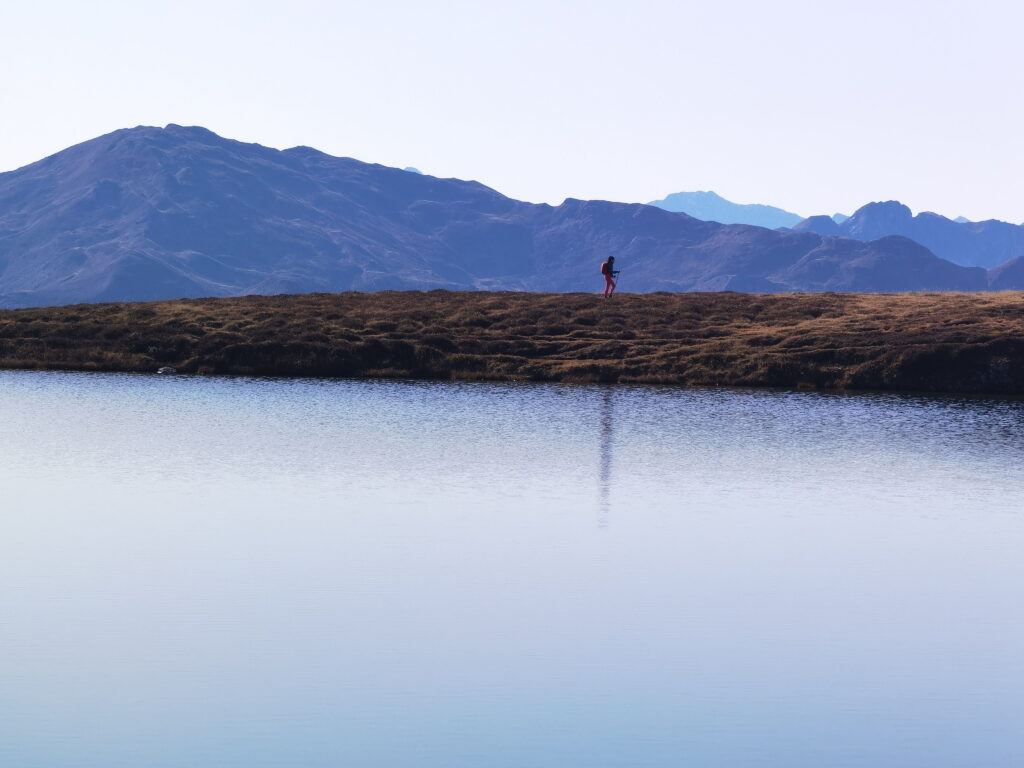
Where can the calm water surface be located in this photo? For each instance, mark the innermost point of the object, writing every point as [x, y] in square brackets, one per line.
[212, 572]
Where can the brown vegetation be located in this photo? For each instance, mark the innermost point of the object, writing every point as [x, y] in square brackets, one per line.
[924, 342]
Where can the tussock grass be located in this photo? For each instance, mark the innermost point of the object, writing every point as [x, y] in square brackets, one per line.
[923, 342]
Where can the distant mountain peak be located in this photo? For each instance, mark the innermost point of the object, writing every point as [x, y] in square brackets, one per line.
[303, 151]
[706, 194]
[887, 207]
[710, 206]
[197, 131]
[878, 220]
[188, 129]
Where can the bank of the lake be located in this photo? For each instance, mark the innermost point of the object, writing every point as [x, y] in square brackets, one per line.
[946, 342]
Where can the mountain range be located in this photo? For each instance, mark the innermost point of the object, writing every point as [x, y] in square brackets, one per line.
[150, 213]
[986, 244]
[968, 243]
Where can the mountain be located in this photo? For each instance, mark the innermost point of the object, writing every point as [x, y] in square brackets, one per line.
[968, 243]
[823, 225]
[150, 213]
[708, 206]
[1008, 276]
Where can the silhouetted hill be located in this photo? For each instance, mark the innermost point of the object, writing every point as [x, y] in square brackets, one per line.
[969, 243]
[709, 206]
[151, 213]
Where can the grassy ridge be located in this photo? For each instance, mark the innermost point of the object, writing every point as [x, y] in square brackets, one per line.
[922, 342]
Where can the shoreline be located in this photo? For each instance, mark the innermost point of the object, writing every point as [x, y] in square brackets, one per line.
[971, 343]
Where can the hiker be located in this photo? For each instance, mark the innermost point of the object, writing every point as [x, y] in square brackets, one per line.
[610, 273]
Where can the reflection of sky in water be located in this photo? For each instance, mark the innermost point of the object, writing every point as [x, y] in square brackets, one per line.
[218, 572]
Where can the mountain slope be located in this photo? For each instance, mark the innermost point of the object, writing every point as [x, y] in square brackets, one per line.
[150, 213]
[969, 243]
[709, 206]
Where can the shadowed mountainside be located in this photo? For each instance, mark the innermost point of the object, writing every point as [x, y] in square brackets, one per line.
[151, 213]
[921, 342]
[968, 243]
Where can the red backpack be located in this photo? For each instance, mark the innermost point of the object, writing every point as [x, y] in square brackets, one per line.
[606, 268]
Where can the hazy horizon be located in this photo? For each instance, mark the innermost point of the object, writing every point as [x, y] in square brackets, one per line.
[812, 108]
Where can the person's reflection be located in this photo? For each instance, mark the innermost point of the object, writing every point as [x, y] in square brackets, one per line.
[605, 465]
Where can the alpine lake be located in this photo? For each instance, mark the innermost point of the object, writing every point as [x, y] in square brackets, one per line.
[236, 572]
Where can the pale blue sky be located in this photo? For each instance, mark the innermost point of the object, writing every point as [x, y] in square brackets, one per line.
[813, 106]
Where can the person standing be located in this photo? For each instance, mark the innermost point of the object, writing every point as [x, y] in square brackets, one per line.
[610, 273]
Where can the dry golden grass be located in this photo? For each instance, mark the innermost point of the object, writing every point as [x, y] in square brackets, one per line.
[925, 342]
